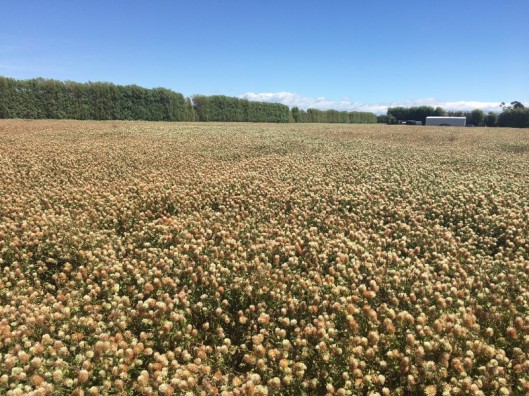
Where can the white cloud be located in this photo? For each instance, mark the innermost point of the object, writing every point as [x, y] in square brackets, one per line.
[292, 99]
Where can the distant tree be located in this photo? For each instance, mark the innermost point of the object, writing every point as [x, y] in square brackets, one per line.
[8, 95]
[514, 105]
[476, 117]
[386, 119]
[200, 104]
[229, 109]
[491, 119]
[303, 116]
[400, 113]
[514, 118]
[190, 110]
[391, 120]
[362, 117]
[295, 114]
[43, 98]
[315, 115]
[439, 112]
[420, 113]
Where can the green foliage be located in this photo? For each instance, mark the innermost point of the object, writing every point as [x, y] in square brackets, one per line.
[421, 112]
[200, 103]
[303, 116]
[515, 115]
[491, 119]
[333, 116]
[515, 105]
[42, 98]
[476, 117]
[362, 117]
[386, 119]
[295, 114]
[315, 115]
[414, 113]
[399, 113]
[439, 112]
[225, 108]
[266, 112]
[515, 118]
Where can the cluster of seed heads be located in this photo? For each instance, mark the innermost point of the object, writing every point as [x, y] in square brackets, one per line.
[234, 259]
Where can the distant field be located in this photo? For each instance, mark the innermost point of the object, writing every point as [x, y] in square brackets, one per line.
[173, 258]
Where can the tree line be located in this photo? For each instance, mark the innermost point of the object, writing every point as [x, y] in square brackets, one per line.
[42, 98]
[333, 116]
[225, 108]
[51, 99]
[514, 116]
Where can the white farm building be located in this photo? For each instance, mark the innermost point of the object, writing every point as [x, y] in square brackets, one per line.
[446, 121]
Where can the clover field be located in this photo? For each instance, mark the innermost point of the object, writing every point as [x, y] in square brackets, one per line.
[201, 258]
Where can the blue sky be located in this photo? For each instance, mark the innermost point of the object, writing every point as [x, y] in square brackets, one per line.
[347, 55]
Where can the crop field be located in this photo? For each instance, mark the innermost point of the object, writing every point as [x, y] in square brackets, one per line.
[250, 259]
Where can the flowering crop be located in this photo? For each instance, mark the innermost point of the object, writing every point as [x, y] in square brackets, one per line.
[160, 258]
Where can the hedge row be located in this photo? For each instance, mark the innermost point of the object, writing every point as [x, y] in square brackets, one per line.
[224, 108]
[41, 98]
[52, 99]
[333, 116]
[514, 118]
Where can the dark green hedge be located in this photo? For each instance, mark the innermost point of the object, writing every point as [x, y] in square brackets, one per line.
[333, 116]
[41, 98]
[52, 99]
[515, 118]
[225, 108]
